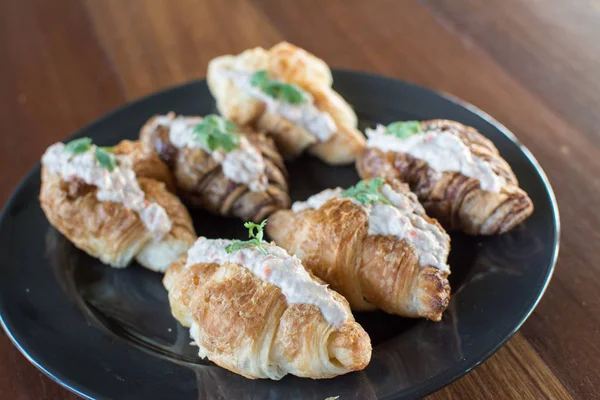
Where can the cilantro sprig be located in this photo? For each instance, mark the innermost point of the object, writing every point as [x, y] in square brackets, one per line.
[403, 129]
[215, 132]
[105, 158]
[277, 89]
[367, 192]
[255, 238]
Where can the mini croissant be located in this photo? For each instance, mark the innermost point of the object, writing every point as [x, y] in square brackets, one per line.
[458, 174]
[116, 211]
[247, 181]
[287, 92]
[372, 243]
[257, 312]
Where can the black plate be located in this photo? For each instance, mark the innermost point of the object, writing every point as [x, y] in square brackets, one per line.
[107, 333]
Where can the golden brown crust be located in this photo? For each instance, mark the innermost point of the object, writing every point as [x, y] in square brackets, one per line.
[455, 200]
[347, 143]
[291, 64]
[110, 231]
[291, 140]
[146, 164]
[371, 271]
[246, 326]
[201, 181]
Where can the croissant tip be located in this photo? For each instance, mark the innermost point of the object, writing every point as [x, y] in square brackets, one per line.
[350, 348]
[277, 221]
[520, 207]
[518, 215]
[435, 293]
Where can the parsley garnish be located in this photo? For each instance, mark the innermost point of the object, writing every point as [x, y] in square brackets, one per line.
[367, 192]
[103, 155]
[255, 239]
[278, 90]
[79, 146]
[216, 132]
[259, 78]
[106, 159]
[403, 129]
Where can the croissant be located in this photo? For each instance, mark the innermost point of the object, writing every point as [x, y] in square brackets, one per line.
[115, 212]
[292, 100]
[384, 253]
[248, 182]
[257, 312]
[457, 174]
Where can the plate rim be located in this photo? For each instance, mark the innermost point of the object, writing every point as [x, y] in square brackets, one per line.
[427, 386]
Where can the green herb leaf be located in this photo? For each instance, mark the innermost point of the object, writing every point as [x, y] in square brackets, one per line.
[403, 129]
[259, 229]
[106, 159]
[216, 132]
[78, 146]
[237, 245]
[259, 78]
[107, 148]
[255, 238]
[367, 192]
[292, 94]
[287, 92]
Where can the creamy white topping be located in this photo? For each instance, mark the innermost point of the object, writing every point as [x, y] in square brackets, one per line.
[317, 200]
[442, 151]
[306, 115]
[243, 165]
[403, 219]
[278, 268]
[120, 185]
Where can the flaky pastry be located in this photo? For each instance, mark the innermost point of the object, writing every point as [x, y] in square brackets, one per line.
[155, 230]
[248, 182]
[457, 173]
[373, 244]
[316, 119]
[258, 313]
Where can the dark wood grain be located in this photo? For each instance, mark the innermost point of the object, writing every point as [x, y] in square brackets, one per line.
[534, 65]
[55, 78]
[549, 46]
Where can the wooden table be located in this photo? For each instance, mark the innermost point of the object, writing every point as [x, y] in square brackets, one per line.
[534, 65]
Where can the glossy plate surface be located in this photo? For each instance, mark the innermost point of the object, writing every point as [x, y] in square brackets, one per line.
[107, 333]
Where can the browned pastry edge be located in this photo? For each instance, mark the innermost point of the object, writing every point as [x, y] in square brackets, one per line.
[202, 183]
[108, 230]
[292, 64]
[238, 315]
[146, 164]
[371, 271]
[455, 200]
